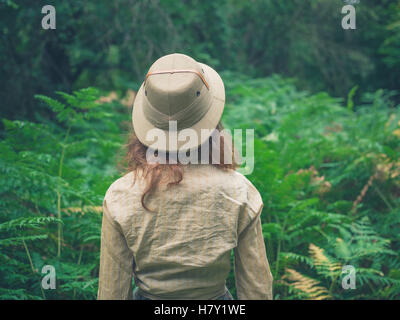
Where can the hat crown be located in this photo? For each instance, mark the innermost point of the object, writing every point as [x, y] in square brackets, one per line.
[170, 93]
[178, 93]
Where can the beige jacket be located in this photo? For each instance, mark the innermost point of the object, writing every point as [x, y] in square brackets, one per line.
[182, 249]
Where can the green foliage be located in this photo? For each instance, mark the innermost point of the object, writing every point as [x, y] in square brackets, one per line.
[314, 158]
[328, 175]
[111, 44]
[53, 176]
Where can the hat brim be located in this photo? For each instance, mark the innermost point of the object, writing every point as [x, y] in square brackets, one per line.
[209, 121]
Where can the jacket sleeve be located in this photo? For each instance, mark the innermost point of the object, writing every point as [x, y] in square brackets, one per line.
[252, 272]
[116, 261]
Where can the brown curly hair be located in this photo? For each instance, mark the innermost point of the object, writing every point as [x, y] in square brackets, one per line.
[153, 173]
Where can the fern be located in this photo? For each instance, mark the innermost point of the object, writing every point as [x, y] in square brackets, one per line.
[313, 158]
[310, 287]
[325, 265]
[27, 223]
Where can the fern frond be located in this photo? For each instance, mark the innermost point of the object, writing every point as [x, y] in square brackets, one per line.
[29, 222]
[311, 287]
[290, 256]
[18, 240]
[322, 262]
[54, 104]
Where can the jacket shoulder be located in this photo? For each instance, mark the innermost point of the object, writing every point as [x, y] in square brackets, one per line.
[120, 185]
[254, 199]
[119, 193]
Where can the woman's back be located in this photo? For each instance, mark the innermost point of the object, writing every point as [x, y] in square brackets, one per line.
[181, 249]
[170, 224]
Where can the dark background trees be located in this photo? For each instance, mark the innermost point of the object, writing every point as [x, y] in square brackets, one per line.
[111, 44]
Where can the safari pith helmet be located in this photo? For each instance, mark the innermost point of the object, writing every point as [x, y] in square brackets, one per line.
[177, 88]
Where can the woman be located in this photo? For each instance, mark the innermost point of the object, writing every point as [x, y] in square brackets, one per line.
[172, 221]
